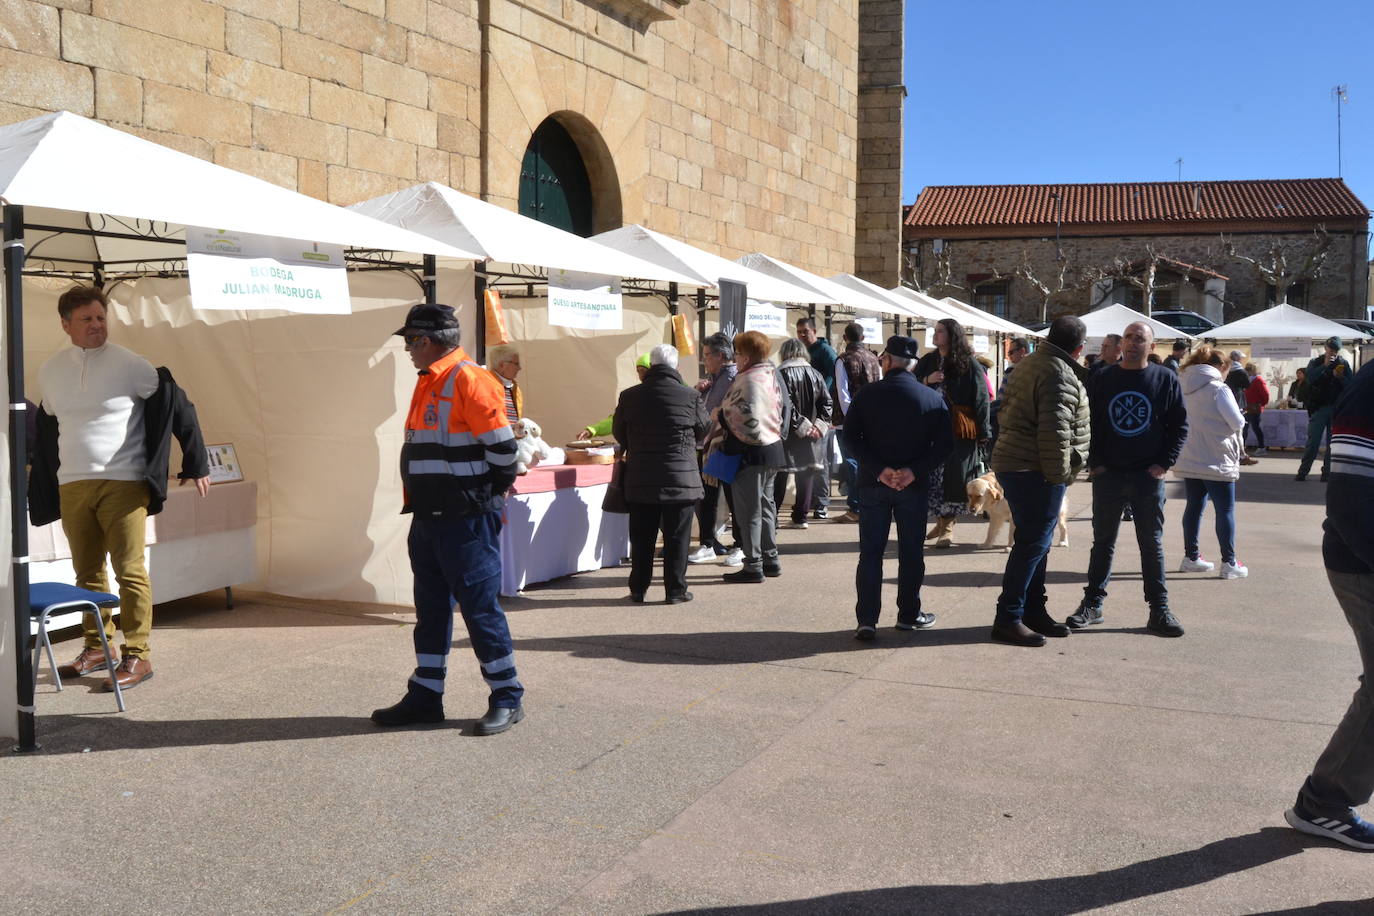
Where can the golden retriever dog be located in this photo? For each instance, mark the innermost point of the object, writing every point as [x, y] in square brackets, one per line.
[985, 495]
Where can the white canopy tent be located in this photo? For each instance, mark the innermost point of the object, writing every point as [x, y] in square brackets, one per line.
[1002, 324]
[506, 237]
[900, 309]
[1112, 319]
[932, 310]
[822, 291]
[708, 269]
[1283, 320]
[83, 201]
[129, 200]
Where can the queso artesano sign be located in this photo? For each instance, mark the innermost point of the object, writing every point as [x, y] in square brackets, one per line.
[236, 270]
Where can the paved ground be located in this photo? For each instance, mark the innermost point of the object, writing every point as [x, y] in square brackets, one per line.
[738, 754]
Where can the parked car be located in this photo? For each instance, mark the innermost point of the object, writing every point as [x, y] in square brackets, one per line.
[1185, 321]
[1365, 328]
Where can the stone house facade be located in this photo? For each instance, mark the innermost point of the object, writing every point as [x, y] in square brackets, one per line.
[969, 241]
[734, 125]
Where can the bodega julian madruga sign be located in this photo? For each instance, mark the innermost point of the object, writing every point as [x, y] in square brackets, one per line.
[236, 270]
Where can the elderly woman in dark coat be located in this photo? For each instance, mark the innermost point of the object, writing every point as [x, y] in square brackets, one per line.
[952, 370]
[658, 422]
[805, 440]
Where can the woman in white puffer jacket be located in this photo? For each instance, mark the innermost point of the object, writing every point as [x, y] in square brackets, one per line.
[1210, 461]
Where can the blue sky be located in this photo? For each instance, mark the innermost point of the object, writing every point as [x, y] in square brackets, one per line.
[1045, 91]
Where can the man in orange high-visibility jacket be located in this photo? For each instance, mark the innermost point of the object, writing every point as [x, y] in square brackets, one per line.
[457, 463]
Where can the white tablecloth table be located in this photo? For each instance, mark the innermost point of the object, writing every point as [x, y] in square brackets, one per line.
[1283, 428]
[554, 526]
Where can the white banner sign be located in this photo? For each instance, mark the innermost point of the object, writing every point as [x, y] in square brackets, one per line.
[980, 343]
[873, 329]
[1281, 348]
[235, 270]
[765, 318]
[930, 337]
[587, 301]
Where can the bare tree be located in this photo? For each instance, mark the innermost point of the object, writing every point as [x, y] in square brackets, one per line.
[1274, 267]
[942, 274]
[1047, 288]
[1141, 273]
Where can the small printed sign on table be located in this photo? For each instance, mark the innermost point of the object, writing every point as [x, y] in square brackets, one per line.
[224, 463]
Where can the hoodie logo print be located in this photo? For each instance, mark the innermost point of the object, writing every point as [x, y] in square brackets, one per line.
[1130, 413]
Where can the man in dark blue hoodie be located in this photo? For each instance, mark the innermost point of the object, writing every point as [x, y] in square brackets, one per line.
[899, 431]
[1343, 778]
[1138, 427]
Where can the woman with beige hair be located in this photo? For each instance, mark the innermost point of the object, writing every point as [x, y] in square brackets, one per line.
[752, 425]
[1209, 463]
[503, 362]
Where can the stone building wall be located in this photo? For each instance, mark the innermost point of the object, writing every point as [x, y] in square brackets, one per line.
[1339, 291]
[878, 220]
[731, 124]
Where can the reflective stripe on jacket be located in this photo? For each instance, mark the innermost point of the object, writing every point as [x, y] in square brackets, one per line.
[459, 453]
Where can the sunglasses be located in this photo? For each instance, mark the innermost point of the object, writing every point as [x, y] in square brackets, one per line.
[413, 339]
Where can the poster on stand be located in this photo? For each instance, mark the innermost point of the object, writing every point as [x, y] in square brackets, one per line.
[1281, 348]
[238, 270]
[766, 318]
[733, 301]
[980, 343]
[588, 301]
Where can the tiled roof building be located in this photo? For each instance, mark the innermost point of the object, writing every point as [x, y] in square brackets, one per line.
[974, 236]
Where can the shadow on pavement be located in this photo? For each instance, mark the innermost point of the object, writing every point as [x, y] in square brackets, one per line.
[75, 734]
[1071, 893]
[735, 647]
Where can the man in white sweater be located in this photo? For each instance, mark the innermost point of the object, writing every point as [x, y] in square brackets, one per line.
[96, 390]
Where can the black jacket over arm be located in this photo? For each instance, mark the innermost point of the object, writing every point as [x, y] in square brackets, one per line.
[169, 412]
[898, 423]
[658, 423]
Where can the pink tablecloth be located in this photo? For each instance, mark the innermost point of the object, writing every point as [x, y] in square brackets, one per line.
[562, 476]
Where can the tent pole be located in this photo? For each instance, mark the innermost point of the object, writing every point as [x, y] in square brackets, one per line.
[479, 295]
[19, 523]
[430, 279]
[701, 330]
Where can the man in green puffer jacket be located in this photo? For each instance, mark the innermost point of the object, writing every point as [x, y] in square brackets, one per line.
[1042, 445]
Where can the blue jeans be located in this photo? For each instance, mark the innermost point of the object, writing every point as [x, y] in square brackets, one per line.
[459, 560]
[1318, 432]
[1343, 777]
[1222, 493]
[1112, 492]
[849, 475]
[1034, 504]
[878, 506]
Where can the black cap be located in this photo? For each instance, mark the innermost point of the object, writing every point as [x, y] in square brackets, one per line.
[1180, 344]
[425, 317]
[903, 347]
[1334, 343]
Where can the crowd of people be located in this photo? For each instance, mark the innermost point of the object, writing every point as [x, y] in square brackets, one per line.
[907, 433]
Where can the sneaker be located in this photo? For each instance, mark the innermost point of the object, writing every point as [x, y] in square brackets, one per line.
[1260, 451]
[820, 515]
[1236, 570]
[922, 622]
[702, 554]
[1085, 616]
[866, 634]
[1197, 565]
[797, 525]
[1247, 460]
[734, 558]
[849, 518]
[1164, 623]
[1352, 830]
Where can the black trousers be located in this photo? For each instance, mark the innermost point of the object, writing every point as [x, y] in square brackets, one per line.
[706, 514]
[646, 521]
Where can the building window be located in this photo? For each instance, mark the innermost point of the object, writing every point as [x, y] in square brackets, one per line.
[1297, 295]
[1134, 297]
[992, 297]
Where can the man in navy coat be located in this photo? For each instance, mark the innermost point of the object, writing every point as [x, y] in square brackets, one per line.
[899, 430]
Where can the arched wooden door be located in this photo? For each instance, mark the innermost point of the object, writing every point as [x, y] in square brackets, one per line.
[554, 187]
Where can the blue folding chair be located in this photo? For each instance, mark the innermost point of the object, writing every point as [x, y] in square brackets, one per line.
[45, 598]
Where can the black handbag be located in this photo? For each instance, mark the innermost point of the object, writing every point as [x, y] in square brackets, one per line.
[614, 500]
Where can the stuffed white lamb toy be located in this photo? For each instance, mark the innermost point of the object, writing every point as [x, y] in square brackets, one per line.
[530, 449]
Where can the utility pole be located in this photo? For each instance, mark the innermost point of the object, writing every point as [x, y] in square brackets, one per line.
[1341, 95]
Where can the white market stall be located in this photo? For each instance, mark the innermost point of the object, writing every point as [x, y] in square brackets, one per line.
[1113, 319]
[83, 201]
